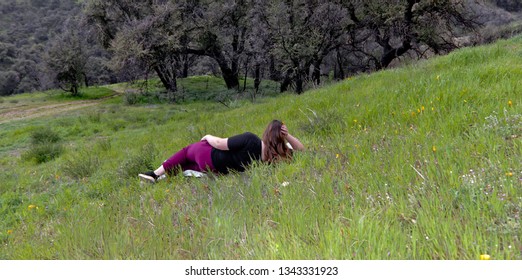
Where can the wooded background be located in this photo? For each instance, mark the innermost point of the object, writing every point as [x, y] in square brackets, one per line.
[48, 44]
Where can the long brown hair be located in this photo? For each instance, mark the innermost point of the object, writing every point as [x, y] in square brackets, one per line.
[275, 145]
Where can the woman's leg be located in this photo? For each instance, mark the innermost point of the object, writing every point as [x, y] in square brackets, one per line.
[196, 156]
[177, 160]
[160, 171]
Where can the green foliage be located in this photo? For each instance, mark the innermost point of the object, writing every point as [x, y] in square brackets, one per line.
[197, 88]
[43, 153]
[140, 162]
[104, 145]
[131, 98]
[90, 93]
[323, 124]
[45, 146]
[81, 164]
[44, 136]
[67, 58]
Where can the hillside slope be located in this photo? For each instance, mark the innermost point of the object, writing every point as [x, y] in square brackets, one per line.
[422, 162]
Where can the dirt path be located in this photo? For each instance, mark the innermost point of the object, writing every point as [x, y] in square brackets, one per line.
[20, 113]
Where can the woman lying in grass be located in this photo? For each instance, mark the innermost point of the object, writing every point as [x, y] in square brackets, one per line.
[220, 155]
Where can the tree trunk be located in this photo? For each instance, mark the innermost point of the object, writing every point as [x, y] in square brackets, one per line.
[274, 74]
[185, 69]
[74, 89]
[287, 80]
[316, 74]
[257, 78]
[231, 80]
[234, 59]
[229, 75]
[167, 76]
[246, 74]
[390, 53]
[299, 82]
[339, 73]
[85, 80]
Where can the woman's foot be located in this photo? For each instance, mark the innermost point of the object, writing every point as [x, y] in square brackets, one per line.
[150, 177]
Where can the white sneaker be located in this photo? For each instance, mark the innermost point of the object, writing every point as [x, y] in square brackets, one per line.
[192, 173]
[149, 177]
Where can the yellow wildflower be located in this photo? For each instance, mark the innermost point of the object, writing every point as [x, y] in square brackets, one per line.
[509, 174]
[31, 207]
[336, 155]
[510, 103]
[434, 149]
[485, 257]
[10, 231]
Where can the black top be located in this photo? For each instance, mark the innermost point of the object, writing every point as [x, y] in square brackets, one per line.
[242, 150]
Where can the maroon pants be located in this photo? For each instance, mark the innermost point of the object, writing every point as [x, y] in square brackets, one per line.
[196, 156]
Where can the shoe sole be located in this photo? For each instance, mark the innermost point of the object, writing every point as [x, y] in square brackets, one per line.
[147, 178]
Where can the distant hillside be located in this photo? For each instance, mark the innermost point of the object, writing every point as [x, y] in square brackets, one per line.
[26, 28]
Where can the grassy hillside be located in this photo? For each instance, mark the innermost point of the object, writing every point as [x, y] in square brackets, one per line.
[422, 162]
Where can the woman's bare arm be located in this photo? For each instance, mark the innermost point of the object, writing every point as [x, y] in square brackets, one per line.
[296, 144]
[216, 142]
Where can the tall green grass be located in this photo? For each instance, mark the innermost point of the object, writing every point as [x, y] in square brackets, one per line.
[422, 162]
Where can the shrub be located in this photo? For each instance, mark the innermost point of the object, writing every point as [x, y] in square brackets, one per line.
[45, 146]
[104, 144]
[131, 98]
[42, 153]
[323, 124]
[44, 136]
[94, 117]
[81, 165]
[140, 162]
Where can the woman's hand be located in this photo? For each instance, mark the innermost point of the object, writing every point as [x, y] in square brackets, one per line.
[294, 142]
[284, 131]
